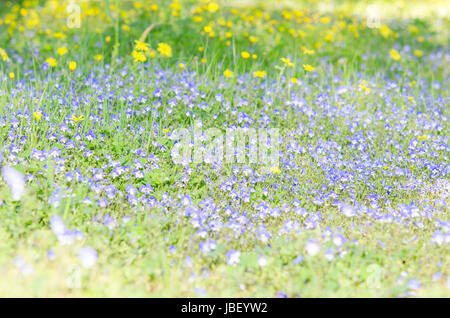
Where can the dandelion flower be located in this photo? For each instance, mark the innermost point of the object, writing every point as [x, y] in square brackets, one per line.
[51, 62]
[138, 56]
[308, 68]
[77, 119]
[141, 46]
[72, 65]
[418, 53]
[395, 55]
[213, 7]
[37, 115]
[259, 74]
[164, 49]
[228, 73]
[245, 55]
[287, 62]
[62, 51]
[3, 55]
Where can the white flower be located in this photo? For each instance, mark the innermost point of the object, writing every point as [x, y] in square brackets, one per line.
[16, 182]
[312, 247]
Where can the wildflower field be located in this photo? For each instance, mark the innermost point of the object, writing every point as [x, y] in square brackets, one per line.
[111, 186]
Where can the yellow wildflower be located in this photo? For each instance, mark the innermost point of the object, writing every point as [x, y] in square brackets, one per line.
[228, 73]
[213, 7]
[259, 74]
[3, 55]
[245, 55]
[275, 170]
[141, 46]
[138, 56]
[287, 61]
[62, 51]
[395, 55]
[77, 119]
[72, 65]
[418, 53]
[164, 49]
[37, 115]
[51, 62]
[308, 68]
[307, 51]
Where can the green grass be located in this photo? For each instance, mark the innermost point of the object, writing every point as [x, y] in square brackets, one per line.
[358, 135]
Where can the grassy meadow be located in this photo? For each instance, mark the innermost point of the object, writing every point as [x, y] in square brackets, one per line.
[92, 94]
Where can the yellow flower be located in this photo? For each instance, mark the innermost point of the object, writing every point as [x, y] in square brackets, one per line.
[395, 55]
[59, 35]
[62, 51]
[51, 62]
[245, 55]
[413, 28]
[138, 56]
[11, 75]
[364, 87]
[253, 39]
[294, 80]
[418, 53]
[108, 39]
[275, 170]
[228, 34]
[3, 55]
[125, 27]
[307, 51]
[141, 46]
[200, 49]
[259, 74]
[207, 29]
[213, 7]
[254, 56]
[99, 57]
[412, 100]
[37, 115]
[197, 18]
[154, 7]
[203, 61]
[385, 31]
[181, 65]
[422, 138]
[287, 61]
[164, 49]
[308, 68]
[228, 73]
[72, 65]
[77, 119]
